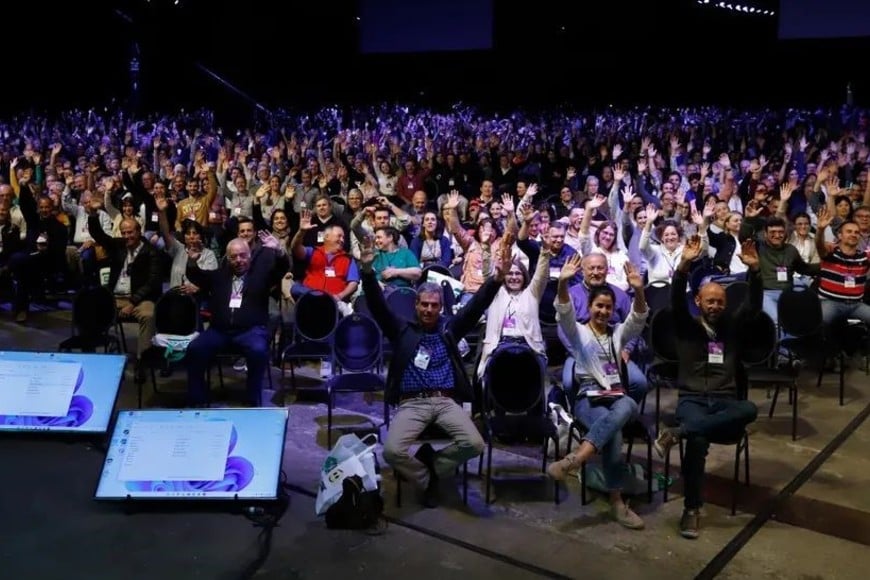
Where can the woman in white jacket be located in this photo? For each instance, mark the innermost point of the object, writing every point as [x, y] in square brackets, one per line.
[513, 314]
[603, 404]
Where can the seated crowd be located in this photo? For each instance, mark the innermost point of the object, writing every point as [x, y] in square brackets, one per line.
[549, 228]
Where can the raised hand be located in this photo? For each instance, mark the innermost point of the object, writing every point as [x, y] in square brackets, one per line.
[692, 249]
[825, 218]
[367, 253]
[305, 220]
[749, 254]
[571, 268]
[596, 202]
[507, 203]
[452, 200]
[633, 275]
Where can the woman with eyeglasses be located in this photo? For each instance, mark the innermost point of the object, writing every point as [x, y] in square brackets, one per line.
[604, 242]
[663, 258]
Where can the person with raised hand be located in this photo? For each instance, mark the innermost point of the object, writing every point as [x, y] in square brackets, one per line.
[602, 403]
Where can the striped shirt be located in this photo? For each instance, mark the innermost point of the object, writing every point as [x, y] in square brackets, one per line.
[843, 277]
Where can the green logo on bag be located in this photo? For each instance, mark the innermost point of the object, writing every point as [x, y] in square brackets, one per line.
[329, 464]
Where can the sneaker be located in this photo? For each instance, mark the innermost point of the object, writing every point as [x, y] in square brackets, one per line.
[690, 524]
[344, 308]
[21, 316]
[559, 470]
[240, 365]
[667, 438]
[626, 517]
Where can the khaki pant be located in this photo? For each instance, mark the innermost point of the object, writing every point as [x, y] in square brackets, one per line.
[413, 417]
[143, 313]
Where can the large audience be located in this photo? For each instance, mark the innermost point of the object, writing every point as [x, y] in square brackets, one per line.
[572, 212]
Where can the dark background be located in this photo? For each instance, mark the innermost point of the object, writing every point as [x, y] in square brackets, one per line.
[303, 55]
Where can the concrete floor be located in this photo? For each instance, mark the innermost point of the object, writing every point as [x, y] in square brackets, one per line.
[822, 530]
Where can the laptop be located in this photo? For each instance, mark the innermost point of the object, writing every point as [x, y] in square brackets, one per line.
[59, 392]
[194, 454]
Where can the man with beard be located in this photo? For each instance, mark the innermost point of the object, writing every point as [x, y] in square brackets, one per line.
[709, 353]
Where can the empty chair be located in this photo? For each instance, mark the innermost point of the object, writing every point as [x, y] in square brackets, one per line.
[514, 408]
[403, 301]
[93, 316]
[175, 314]
[357, 357]
[316, 319]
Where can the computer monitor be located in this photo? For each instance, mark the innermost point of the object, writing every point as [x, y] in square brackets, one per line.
[195, 454]
[58, 392]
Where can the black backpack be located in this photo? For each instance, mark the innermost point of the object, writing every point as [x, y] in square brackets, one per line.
[356, 509]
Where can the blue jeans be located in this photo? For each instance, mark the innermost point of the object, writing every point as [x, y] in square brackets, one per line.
[704, 420]
[605, 423]
[770, 303]
[840, 311]
[253, 344]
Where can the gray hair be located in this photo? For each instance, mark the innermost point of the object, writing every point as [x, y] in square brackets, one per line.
[430, 288]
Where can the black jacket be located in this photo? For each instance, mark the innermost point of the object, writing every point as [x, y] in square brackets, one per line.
[265, 271]
[696, 376]
[146, 271]
[405, 336]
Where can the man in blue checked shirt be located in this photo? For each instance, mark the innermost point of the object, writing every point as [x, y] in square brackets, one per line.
[427, 379]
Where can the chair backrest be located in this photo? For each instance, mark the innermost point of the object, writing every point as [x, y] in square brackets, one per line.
[357, 344]
[658, 296]
[93, 311]
[513, 380]
[736, 294]
[316, 316]
[662, 337]
[361, 305]
[403, 302]
[799, 311]
[758, 339]
[176, 313]
[448, 298]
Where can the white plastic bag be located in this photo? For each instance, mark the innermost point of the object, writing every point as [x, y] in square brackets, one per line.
[350, 456]
[562, 420]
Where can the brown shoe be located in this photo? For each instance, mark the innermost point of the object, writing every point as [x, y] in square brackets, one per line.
[626, 517]
[21, 316]
[690, 524]
[559, 470]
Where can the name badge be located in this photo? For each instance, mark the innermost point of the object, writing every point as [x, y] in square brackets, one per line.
[611, 270]
[782, 274]
[191, 216]
[451, 182]
[237, 211]
[155, 217]
[320, 237]
[715, 353]
[410, 186]
[212, 215]
[554, 273]
[670, 272]
[479, 272]
[330, 272]
[849, 282]
[422, 358]
[509, 322]
[611, 374]
[236, 300]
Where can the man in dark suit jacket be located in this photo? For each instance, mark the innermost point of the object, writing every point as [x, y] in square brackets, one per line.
[135, 275]
[238, 296]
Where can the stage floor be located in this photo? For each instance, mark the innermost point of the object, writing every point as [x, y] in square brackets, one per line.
[50, 526]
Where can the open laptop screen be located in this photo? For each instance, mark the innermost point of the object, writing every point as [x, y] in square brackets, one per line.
[63, 392]
[195, 454]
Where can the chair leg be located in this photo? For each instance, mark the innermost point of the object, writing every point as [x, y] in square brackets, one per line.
[746, 456]
[480, 465]
[465, 483]
[649, 471]
[583, 483]
[398, 490]
[842, 378]
[658, 406]
[793, 394]
[329, 403]
[736, 484]
[667, 476]
[773, 402]
[555, 455]
[488, 470]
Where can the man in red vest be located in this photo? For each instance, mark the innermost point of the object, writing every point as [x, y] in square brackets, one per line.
[330, 269]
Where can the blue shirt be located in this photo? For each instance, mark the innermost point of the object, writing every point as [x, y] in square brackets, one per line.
[438, 374]
[579, 294]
